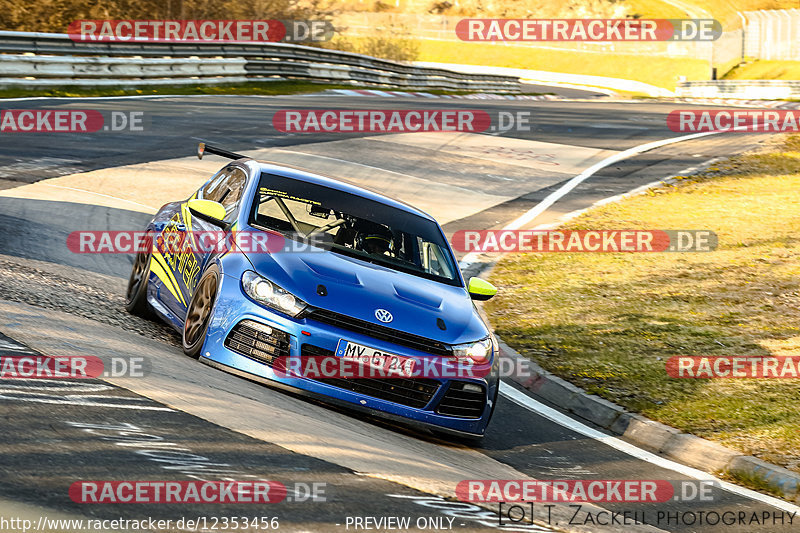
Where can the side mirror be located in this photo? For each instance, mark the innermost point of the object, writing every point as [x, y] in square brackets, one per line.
[208, 210]
[480, 289]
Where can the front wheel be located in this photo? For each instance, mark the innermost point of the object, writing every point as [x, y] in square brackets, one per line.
[198, 313]
[136, 293]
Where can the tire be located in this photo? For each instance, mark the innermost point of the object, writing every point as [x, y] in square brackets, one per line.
[198, 313]
[136, 293]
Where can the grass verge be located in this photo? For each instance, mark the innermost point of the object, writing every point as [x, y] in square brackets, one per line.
[264, 88]
[609, 322]
[751, 481]
[658, 71]
[765, 70]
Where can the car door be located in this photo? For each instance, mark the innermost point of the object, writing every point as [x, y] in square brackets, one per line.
[193, 238]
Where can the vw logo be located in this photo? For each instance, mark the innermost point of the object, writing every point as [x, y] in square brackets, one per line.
[383, 315]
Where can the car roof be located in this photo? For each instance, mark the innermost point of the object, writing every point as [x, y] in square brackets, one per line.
[338, 184]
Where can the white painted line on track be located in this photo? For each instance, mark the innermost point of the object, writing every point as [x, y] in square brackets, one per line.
[566, 421]
[562, 191]
[565, 189]
[633, 192]
[307, 154]
[151, 208]
[561, 419]
[453, 187]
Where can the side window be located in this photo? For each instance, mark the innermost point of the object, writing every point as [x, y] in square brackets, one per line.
[226, 187]
[210, 190]
[233, 186]
[434, 259]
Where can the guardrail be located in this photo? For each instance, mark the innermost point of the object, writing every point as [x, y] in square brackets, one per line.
[744, 89]
[32, 60]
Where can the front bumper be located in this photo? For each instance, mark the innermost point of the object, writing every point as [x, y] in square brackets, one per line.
[233, 306]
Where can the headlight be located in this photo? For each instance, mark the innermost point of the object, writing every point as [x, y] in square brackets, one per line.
[268, 293]
[474, 352]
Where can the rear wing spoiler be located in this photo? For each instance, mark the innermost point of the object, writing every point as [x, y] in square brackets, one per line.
[203, 148]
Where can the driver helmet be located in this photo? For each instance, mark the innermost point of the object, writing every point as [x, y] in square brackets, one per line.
[373, 238]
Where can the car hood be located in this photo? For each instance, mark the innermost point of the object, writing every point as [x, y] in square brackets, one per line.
[357, 288]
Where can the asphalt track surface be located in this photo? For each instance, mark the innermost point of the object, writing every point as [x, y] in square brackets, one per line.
[55, 434]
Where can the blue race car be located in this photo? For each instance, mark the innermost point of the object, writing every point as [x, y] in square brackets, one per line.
[357, 272]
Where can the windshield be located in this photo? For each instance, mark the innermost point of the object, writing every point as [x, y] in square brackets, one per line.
[355, 226]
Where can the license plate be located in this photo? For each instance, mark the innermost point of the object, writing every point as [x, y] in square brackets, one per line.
[385, 362]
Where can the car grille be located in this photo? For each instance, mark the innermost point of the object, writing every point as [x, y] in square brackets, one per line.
[258, 341]
[412, 392]
[376, 331]
[462, 403]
